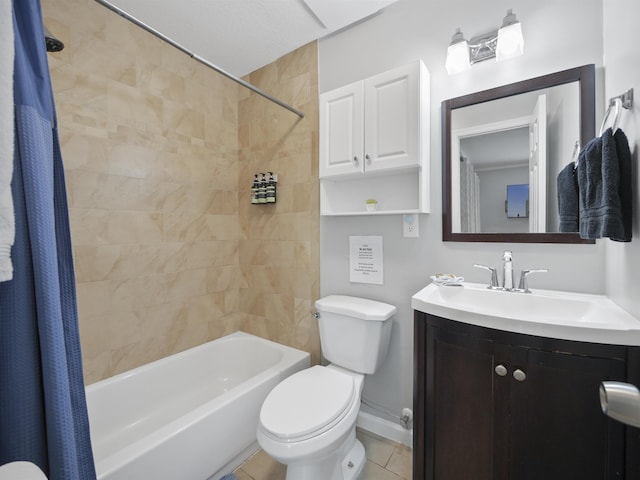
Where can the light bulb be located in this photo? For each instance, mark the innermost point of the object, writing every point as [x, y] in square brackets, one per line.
[457, 54]
[510, 40]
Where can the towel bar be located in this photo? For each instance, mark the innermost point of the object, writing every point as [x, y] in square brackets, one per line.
[621, 101]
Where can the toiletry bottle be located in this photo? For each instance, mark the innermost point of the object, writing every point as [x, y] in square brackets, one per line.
[262, 189]
[254, 189]
[271, 189]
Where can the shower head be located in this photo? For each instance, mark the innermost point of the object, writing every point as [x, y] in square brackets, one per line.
[53, 44]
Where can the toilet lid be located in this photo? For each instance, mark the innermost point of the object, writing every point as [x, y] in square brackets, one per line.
[306, 402]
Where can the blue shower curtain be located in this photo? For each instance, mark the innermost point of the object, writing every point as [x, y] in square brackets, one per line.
[43, 413]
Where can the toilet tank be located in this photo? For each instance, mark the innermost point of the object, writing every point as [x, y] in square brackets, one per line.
[354, 332]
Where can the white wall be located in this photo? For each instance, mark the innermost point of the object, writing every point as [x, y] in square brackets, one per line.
[622, 62]
[558, 35]
[493, 194]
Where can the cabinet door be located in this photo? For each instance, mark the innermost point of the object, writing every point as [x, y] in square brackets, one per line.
[342, 131]
[392, 119]
[557, 429]
[492, 405]
[464, 395]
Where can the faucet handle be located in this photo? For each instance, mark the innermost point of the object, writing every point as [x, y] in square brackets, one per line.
[523, 287]
[507, 256]
[494, 275]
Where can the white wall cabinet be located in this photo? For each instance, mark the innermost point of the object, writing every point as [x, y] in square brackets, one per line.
[374, 143]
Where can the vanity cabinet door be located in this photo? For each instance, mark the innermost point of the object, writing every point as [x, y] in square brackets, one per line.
[492, 405]
[462, 410]
[557, 429]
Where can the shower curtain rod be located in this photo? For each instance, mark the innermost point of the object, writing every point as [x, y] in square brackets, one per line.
[171, 42]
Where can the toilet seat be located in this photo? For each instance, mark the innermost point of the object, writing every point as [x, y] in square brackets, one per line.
[307, 404]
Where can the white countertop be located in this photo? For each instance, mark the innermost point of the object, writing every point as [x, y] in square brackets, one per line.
[545, 313]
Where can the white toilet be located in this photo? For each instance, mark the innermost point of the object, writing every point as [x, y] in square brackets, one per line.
[20, 470]
[308, 421]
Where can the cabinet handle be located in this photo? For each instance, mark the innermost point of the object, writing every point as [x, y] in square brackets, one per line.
[355, 160]
[501, 370]
[519, 375]
[367, 158]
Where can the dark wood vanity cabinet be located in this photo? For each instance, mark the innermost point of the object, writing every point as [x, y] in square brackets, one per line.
[494, 405]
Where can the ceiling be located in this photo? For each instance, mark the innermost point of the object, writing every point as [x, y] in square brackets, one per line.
[495, 150]
[240, 36]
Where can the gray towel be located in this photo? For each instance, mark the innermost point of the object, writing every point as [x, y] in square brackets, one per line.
[568, 199]
[599, 184]
[626, 194]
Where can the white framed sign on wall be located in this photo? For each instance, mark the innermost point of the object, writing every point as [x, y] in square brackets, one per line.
[366, 260]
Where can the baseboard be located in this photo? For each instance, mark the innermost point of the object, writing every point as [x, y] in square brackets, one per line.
[385, 428]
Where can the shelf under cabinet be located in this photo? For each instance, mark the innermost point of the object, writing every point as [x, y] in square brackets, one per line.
[396, 193]
[377, 212]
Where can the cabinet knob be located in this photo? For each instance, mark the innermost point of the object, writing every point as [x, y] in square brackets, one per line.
[367, 158]
[519, 375]
[355, 160]
[501, 370]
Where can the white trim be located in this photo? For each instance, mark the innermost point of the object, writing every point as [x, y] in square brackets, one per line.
[385, 428]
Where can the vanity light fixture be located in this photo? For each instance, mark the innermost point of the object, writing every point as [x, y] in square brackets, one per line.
[457, 54]
[502, 44]
[510, 42]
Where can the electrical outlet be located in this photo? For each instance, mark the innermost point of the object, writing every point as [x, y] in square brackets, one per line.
[410, 225]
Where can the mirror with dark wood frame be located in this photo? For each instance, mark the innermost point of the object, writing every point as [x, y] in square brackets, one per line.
[514, 138]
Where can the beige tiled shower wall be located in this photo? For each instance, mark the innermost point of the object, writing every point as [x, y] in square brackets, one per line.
[279, 251]
[168, 252]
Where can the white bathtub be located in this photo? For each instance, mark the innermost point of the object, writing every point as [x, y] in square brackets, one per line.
[190, 416]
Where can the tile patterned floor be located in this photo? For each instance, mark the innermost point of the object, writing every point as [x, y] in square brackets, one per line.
[386, 460]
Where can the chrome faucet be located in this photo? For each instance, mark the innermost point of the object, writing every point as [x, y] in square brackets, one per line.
[494, 276]
[507, 275]
[523, 287]
[507, 268]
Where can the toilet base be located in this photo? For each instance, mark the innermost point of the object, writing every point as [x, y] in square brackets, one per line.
[345, 463]
[354, 462]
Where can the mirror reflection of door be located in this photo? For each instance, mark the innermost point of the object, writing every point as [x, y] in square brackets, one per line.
[538, 166]
[493, 156]
[525, 139]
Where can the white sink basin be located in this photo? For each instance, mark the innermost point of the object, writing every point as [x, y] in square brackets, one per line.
[546, 313]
